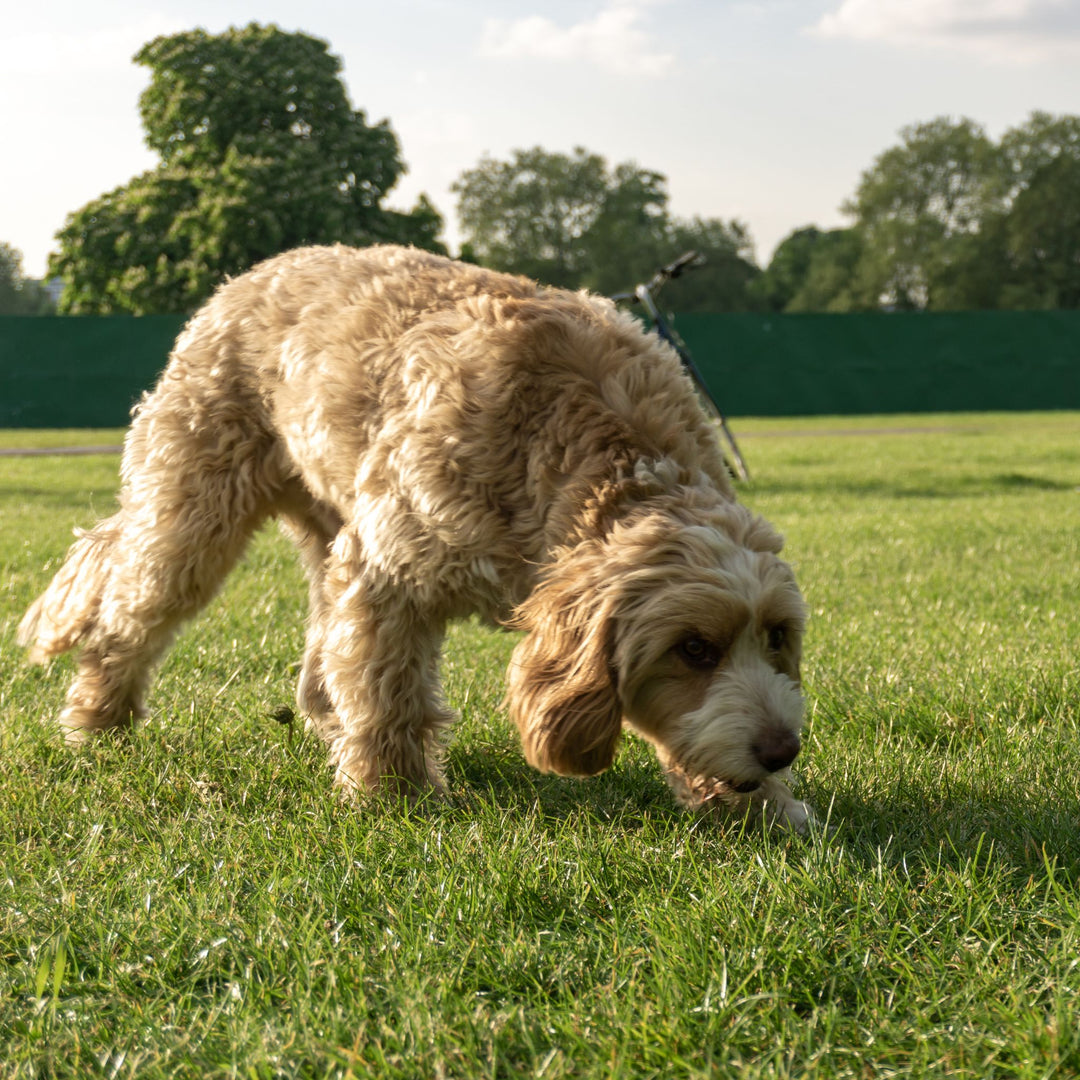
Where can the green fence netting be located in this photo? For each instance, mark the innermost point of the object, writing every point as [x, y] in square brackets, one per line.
[89, 371]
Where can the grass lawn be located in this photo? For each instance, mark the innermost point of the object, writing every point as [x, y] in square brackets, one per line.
[196, 903]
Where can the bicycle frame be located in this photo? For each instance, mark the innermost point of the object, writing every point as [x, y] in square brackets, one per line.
[644, 295]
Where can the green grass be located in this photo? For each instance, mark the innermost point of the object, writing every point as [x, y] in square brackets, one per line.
[195, 903]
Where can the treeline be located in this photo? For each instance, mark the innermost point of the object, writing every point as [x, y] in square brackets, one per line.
[20, 295]
[260, 150]
[947, 220]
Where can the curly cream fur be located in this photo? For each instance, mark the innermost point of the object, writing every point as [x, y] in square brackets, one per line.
[441, 440]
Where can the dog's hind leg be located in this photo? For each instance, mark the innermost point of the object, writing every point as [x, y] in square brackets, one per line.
[192, 496]
[380, 654]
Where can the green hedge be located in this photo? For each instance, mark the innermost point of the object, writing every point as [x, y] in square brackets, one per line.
[88, 372]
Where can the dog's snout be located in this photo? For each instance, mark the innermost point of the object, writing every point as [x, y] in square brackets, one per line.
[776, 748]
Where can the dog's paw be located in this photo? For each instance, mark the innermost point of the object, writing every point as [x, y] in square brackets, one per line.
[82, 727]
[771, 806]
[793, 815]
[780, 809]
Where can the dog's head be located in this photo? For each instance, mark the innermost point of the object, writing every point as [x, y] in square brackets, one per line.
[685, 627]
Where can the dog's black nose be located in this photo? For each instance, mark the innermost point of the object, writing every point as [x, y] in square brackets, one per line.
[776, 748]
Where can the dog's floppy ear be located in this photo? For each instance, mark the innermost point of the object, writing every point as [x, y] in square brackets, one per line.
[561, 688]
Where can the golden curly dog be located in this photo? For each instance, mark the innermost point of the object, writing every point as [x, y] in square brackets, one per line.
[440, 440]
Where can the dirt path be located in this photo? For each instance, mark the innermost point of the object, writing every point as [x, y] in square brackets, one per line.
[60, 451]
[74, 451]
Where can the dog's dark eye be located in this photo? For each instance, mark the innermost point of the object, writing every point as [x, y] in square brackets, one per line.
[777, 637]
[698, 653]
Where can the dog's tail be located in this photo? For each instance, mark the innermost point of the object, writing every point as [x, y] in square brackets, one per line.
[64, 614]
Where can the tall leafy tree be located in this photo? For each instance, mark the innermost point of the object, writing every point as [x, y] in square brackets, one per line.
[947, 220]
[628, 238]
[951, 220]
[917, 205]
[1042, 237]
[260, 151]
[1032, 146]
[572, 220]
[1041, 229]
[788, 268]
[831, 281]
[549, 215]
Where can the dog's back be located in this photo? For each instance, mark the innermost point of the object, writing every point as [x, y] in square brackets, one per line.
[388, 369]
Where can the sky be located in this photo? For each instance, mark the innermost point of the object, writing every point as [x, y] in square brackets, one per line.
[765, 111]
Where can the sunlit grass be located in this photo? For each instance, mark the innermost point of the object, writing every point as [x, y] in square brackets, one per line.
[193, 902]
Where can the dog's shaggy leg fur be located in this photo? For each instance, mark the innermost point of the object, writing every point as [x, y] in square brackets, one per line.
[128, 584]
[135, 615]
[123, 618]
[67, 615]
[380, 655]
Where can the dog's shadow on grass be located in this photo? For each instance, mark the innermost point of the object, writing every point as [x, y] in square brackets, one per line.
[630, 793]
[1013, 829]
[988, 485]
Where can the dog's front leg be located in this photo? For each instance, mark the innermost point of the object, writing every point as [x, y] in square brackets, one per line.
[380, 653]
[771, 804]
[778, 807]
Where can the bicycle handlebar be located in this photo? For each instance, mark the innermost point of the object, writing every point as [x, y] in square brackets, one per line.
[686, 261]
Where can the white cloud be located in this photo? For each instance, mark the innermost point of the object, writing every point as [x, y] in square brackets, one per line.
[613, 39]
[1002, 31]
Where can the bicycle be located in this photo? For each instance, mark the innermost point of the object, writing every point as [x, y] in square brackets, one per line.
[645, 294]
